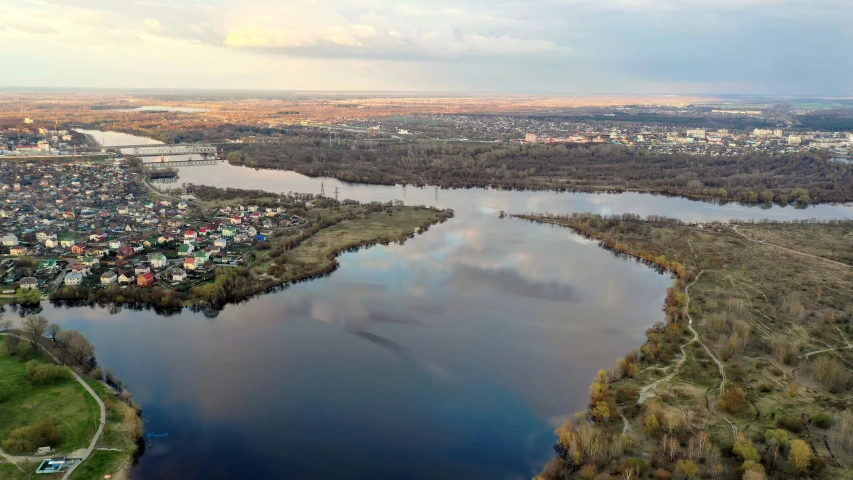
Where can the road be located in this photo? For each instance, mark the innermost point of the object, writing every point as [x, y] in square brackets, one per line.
[98, 433]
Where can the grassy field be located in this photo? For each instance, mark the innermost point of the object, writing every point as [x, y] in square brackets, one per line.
[314, 252]
[23, 404]
[100, 463]
[779, 323]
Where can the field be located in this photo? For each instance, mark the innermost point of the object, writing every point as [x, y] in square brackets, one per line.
[317, 253]
[772, 350]
[100, 463]
[23, 404]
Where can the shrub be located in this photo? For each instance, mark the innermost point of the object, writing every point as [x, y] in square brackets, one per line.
[28, 439]
[789, 423]
[732, 400]
[46, 374]
[822, 420]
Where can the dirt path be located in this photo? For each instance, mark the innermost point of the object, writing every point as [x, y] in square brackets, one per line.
[648, 391]
[734, 227]
[98, 433]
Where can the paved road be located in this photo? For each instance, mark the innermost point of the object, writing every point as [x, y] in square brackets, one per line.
[100, 426]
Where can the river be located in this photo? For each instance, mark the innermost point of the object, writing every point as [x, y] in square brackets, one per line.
[453, 356]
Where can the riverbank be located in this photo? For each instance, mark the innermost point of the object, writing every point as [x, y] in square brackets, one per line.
[269, 242]
[759, 344]
[48, 404]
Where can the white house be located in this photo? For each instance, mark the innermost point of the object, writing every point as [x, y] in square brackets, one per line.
[51, 243]
[109, 277]
[178, 275]
[74, 278]
[220, 242]
[158, 260]
[115, 244]
[9, 240]
[140, 269]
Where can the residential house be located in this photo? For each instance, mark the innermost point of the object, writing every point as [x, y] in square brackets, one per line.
[235, 220]
[67, 242]
[78, 249]
[190, 263]
[185, 250]
[140, 269]
[158, 260]
[115, 244]
[189, 235]
[28, 283]
[73, 278]
[80, 268]
[220, 242]
[126, 277]
[19, 250]
[178, 275]
[91, 262]
[98, 237]
[109, 277]
[51, 243]
[125, 252]
[229, 231]
[165, 239]
[145, 280]
[47, 264]
[9, 240]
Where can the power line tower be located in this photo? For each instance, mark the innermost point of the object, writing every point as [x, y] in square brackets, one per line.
[322, 189]
[336, 193]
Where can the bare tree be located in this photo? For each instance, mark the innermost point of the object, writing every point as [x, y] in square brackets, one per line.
[76, 349]
[34, 328]
[54, 330]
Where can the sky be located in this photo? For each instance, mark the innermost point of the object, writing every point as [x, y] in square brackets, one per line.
[780, 47]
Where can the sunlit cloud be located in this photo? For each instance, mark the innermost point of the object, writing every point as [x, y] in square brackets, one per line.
[573, 46]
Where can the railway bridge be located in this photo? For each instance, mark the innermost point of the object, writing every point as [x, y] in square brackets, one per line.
[158, 150]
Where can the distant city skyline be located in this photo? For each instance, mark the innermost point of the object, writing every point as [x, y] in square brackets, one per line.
[773, 47]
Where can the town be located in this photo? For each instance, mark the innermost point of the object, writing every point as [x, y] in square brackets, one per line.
[92, 225]
[99, 232]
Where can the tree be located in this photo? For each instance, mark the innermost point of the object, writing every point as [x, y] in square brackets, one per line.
[28, 297]
[54, 330]
[5, 324]
[775, 438]
[651, 423]
[12, 343]
[76, 348]
[686, 469]
[800, 455]
[672, 422]
[601, 412]
[745, 450]
[34, 328]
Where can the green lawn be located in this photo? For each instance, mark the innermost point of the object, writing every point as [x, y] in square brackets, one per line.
[23, 404]
[100, 463]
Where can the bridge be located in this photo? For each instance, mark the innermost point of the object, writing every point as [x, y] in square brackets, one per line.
[157, 150]
[154, 166]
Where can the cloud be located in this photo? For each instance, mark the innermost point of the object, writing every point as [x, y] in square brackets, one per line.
[152, 24]
[663, 46]
[510, 281]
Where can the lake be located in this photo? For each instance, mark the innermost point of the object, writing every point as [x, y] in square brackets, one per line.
[453, 356]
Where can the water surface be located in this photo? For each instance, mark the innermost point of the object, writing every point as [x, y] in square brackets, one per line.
[453, 356]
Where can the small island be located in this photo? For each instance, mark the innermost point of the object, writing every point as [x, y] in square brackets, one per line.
[102, 234]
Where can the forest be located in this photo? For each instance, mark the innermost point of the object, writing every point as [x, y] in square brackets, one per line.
[755, 178]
